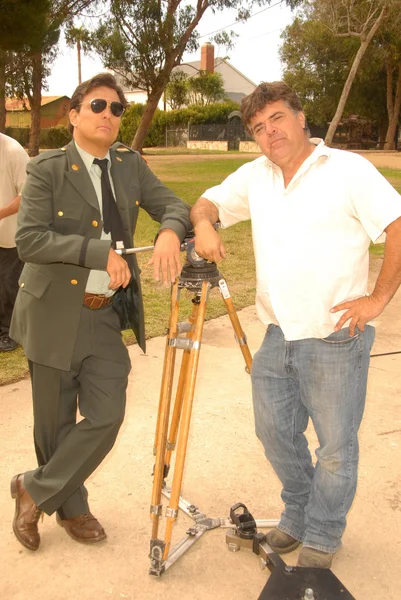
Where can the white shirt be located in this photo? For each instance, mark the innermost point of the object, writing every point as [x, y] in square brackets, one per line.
[310, 239]
[98, 281]
[13, 161]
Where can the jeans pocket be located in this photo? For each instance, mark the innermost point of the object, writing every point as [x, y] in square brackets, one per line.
[341, 337]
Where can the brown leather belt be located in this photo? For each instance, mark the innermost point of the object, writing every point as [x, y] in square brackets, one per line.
[95, 301]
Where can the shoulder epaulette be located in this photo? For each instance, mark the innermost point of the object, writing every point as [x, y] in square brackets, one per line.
[119, 147]
[48, 154]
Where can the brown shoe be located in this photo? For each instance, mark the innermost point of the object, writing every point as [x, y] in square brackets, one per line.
[310, 557]
[27, 514]
[280, 542]
[83, 528]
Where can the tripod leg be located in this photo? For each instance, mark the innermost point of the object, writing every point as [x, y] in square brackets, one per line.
[175, 420]
[232, 313]
[193, 361]
[163, 413]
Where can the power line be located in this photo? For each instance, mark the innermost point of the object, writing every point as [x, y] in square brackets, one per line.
[239, 22]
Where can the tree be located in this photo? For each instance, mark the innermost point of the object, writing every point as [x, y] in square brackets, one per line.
[316, 67]
[352, 18]
[81, 37]
[21, 23]
[388, 49]
[143, 40]
[206, 88]
[177, 90]
[38, 56]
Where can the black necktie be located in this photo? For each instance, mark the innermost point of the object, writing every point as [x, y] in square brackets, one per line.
[111, 217]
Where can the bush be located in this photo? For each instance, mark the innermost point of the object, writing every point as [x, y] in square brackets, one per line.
[54, 137]
[20, 134]
[214, 113]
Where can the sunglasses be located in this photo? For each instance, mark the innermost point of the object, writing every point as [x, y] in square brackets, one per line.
[98, 105]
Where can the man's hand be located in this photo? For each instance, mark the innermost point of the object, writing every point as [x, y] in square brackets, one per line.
[208, 243]
[118, 270]
[360, 311]
[166, 257]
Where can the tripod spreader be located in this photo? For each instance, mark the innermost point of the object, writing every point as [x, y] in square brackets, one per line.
[285, 582]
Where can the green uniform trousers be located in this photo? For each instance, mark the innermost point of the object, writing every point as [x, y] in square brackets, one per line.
[70, 447]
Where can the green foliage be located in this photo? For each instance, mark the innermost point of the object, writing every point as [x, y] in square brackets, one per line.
[20, 134]
[22, 23]
[213, 113]
[177, 90]
[53, 137]
[206, 88]
[316, 66]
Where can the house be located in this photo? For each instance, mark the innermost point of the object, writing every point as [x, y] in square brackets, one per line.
[54, 111]
[236, 84]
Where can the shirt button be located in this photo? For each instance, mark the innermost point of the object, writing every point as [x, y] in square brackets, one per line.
[74, 281]
[60, 213]
[95, 223]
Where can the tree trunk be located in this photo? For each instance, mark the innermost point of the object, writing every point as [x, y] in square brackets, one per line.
[389, 144]
[141, 132]
[2, 91]
[35, 102]
[350, 79]
[79, 61]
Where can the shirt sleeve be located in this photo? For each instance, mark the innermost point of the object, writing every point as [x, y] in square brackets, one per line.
[231, 196]
[376, 203]
[19, 162]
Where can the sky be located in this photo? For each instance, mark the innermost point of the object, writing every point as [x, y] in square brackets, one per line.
[255, 53]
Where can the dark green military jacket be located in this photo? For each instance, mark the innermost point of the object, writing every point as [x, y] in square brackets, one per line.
[58, 237]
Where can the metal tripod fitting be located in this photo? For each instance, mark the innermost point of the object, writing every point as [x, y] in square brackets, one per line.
[291, 583]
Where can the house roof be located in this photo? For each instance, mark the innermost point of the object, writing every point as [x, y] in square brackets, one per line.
[193, 67]
[18, 104]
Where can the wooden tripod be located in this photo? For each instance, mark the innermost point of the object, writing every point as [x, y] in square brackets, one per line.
[199, 280]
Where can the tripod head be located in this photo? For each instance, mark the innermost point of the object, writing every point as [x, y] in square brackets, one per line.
[195, 271]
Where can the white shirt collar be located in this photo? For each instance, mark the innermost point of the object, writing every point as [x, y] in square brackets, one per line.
[320, 150]
[87, 158]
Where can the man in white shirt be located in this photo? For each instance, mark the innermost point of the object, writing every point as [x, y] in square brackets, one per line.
[314, 211]
[13, 161]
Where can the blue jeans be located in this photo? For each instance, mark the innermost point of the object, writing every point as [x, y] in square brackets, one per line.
[324, 380]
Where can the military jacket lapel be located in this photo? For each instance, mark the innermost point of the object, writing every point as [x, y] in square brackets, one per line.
[78, 176]
[120, 183]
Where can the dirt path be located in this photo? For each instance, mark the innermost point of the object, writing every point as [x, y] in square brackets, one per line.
[378, 158]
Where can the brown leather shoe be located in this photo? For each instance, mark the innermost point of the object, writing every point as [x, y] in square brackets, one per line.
[83, 528]
[27, 514]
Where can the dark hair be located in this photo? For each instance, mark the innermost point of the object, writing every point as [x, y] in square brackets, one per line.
[100, 80]
[264, 94]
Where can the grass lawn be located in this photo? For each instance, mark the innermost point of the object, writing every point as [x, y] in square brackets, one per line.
[188, 180]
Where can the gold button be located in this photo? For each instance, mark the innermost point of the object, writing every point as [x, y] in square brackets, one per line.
[63, 148]
[75, 167]
[60, 213]
[137, 202]
[95, 223]
[119, 159]
[74, 281]
[22, 285]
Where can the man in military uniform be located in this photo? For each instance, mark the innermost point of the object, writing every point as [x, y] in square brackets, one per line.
[76, 294]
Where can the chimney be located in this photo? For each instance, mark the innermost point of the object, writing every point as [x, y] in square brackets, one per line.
[207, 57]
